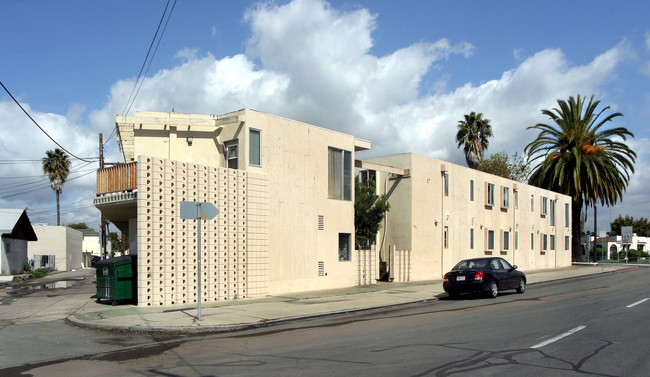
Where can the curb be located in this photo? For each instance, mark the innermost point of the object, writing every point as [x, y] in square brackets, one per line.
[72, 320]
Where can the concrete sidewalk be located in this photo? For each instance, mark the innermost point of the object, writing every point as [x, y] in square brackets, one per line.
[227, 316]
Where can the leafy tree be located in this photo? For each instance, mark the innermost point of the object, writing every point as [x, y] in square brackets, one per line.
[581, 159]
[640, 226]
[78, 226]
[116, 243]
[57, 167]
[515, 167]
[473, 133]
[369, 211]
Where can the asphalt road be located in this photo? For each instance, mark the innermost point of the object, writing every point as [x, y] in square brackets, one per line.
[597, 325]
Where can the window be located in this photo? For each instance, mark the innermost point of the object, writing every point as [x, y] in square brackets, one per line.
[567, 219]
[471, 238]
[254, 147]
[471, 190]
[567, 242]
[505, 197]
[532, 241]
[544, 206]
[368, 175]
[340, 174]
[516, 240]
[506, 240]
[344, 247]
[490, 240]
[552, 241]
[446, 237]
[446, 178]
[544, 242]
[232, 155]
[552, 215]
[532, 203]
[490, 194]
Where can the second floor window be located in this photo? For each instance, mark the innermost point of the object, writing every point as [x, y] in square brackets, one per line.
[339, 185]
[255, 147]
[490, 194]
[232, 156]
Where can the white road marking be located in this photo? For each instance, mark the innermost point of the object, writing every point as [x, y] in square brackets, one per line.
[638, 302]
[555, 339]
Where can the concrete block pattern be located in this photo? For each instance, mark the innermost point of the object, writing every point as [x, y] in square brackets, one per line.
[234, 245]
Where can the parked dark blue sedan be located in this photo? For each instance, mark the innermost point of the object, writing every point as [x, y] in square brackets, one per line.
[489, 275]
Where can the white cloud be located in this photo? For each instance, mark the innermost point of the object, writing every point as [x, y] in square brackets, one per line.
[23, 145]
[308, 61]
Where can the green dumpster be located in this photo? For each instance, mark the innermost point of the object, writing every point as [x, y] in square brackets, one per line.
[116, 279]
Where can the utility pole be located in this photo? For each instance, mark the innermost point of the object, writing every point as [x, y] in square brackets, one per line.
[103, 220]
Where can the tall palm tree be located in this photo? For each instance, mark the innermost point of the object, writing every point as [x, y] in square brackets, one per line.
[473, 134]
[57, 166]
[578, 158]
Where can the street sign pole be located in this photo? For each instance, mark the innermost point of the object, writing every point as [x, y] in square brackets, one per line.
[198, 207]
[198, 211]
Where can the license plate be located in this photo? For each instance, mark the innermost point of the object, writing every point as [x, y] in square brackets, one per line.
[460, 278]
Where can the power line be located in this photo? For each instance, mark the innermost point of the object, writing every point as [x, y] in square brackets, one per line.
[133, 94]
[39, 126]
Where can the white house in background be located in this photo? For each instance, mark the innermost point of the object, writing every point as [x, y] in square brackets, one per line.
[57, 247]
[614, 244]
[16, 231]
[91, 242]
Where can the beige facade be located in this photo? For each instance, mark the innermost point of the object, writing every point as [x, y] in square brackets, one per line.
[62, 243]
[286, 195]
[296, 217]
[444, 212]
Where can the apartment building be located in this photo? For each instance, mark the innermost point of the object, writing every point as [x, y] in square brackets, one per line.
[285, 191]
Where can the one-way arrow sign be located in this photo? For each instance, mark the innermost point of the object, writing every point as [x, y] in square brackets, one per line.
[198, 210]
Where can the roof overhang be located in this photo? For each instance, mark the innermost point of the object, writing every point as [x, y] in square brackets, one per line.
[365, 165]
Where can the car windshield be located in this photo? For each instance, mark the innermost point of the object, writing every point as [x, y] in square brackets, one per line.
[471, 264]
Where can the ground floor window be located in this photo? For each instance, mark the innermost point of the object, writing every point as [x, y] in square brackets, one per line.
[344, 247]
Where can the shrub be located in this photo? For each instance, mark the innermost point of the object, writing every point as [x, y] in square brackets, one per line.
[39, 273]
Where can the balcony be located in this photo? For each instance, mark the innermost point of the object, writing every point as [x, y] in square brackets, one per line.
[117, 194]
[118, 178]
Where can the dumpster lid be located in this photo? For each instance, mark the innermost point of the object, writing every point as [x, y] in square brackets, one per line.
[112, 261]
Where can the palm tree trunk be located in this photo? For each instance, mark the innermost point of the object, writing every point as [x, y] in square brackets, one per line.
[58, 210]
[576, 231]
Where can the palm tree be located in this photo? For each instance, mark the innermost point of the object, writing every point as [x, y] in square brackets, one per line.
[473, 134]
[57, 166]
[580, 159]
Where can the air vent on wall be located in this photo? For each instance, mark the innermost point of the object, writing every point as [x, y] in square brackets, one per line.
[321, 222]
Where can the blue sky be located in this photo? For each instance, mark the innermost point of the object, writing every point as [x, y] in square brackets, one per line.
[399, 74]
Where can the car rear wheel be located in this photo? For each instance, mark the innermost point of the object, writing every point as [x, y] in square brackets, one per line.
[521, 288]
[494, 290]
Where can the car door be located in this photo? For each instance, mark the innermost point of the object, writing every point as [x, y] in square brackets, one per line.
[510, 275]
[498, 273]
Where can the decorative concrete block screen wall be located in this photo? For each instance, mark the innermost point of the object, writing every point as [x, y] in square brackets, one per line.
[367, 265]
[234, 245]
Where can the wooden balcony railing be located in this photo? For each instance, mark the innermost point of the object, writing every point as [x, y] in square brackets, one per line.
[123, 177]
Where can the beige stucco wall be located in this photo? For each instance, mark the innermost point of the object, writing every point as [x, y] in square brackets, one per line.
[61, 241]
[420, 212]
[295, 159]
[295, 167]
